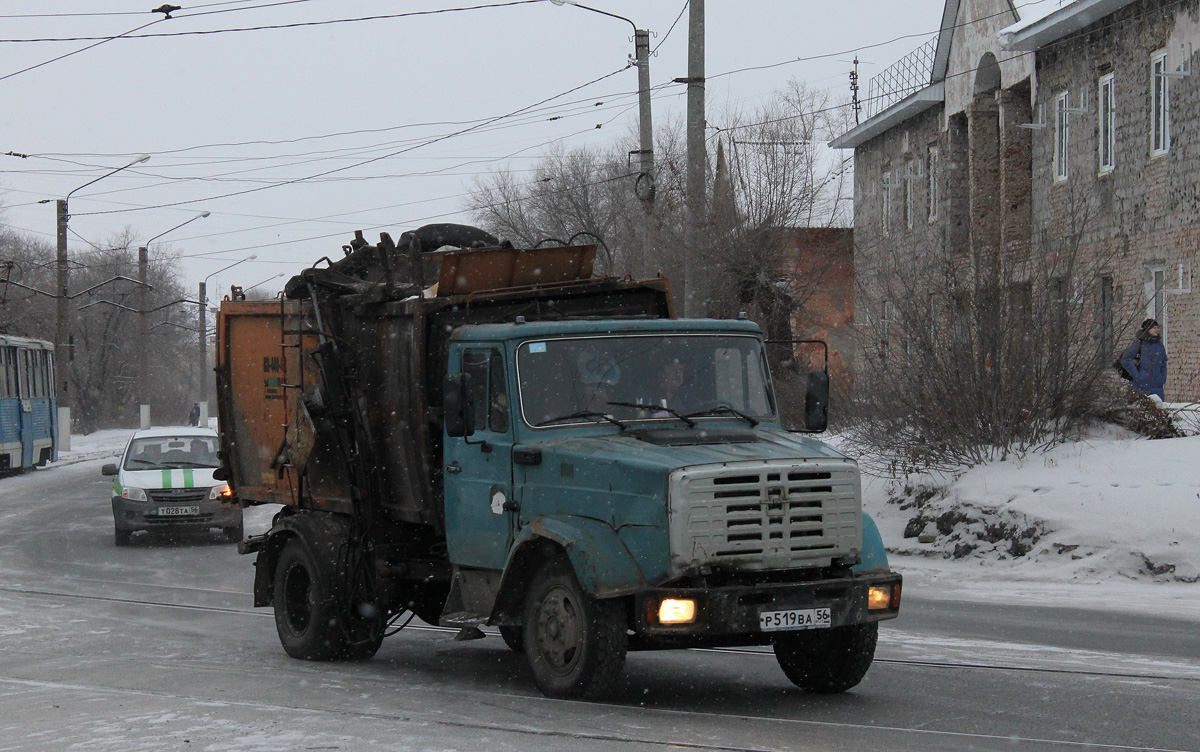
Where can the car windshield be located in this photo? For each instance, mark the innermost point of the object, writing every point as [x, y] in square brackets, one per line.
[643, 377]
[161, 452]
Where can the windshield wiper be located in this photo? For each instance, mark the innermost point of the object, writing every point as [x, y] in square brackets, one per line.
[151, 463]
[657, 408]
[584, 414]
[724, 409]
[190, 463]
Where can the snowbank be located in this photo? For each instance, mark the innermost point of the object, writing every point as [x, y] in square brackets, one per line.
[1111, 508]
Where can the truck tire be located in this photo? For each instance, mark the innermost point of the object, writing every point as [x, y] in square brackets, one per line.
[514, 638]
[827, 661]
[575, 644]
[306, 607]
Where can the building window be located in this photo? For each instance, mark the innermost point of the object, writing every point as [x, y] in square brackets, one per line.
[909, 177]
[1160, 105]
[1156, 305]
[885, 334]
[1107, 334]
[1108, 125]
[1062, 138]
[887, 202]
[934, 168]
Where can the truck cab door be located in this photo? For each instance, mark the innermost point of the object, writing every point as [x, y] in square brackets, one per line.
[478, 468]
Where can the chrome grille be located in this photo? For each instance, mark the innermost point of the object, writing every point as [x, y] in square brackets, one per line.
[765, 515]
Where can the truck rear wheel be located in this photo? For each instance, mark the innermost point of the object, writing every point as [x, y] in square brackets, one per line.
[306, 607]
[827, 661]
[575, 644]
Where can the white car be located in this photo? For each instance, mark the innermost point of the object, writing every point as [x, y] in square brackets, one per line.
[165, 481]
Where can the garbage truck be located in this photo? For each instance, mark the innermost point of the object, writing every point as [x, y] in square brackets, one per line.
[480, 435]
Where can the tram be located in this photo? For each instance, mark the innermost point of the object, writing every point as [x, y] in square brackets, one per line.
[28, 409]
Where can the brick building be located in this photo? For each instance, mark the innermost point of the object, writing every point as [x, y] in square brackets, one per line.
[1007, 140]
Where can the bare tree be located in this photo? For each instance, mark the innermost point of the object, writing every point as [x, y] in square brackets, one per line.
[968, 356]
[104, 333]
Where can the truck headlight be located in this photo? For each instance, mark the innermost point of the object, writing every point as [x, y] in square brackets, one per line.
[223, 492]
[677, 611]
[133, 494]
[883, 596]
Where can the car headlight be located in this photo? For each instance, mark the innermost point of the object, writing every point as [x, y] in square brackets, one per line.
[223, 492]
[133, 494]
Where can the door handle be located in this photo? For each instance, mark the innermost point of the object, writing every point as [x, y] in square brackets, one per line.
[453, 467]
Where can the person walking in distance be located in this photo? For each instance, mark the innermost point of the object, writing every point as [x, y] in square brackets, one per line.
[194, 415]
[1145, 360]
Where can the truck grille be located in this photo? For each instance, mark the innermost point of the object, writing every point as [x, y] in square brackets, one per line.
[765, 515]
[178, 495]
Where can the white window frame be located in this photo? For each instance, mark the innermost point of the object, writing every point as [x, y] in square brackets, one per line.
[933, 166]
[1156, 297]
[1160, 105]
[909, 192]
[1062, 136]
[1106, 109]
[887, 202]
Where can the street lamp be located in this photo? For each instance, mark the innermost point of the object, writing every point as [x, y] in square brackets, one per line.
[259, 284]
[203, 336]
[641, 56]
[62, 322]
[143, 331]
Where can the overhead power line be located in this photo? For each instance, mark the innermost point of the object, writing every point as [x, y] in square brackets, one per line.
[268, 27]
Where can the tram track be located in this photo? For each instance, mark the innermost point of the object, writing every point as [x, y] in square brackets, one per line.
[762, 652]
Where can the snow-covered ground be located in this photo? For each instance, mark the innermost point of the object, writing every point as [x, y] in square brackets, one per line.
[1111, 523]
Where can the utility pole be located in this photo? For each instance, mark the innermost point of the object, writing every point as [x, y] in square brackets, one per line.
[694, 294]
[143, 329]
[202, 352]
[641, 44]
[62, 348]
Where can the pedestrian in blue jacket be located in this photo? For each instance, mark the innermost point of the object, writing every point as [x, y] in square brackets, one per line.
[1145, 360]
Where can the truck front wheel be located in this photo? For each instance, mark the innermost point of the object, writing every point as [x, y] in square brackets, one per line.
[306, 607]
[827, 661]
[575, 644]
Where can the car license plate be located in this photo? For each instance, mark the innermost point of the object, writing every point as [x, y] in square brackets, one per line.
[802, 618]
[177, 511]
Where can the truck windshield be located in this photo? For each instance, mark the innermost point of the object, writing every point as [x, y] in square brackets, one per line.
[643, 377]
[163, 452]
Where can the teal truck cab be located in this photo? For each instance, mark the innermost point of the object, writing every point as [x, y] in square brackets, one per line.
[562, 460]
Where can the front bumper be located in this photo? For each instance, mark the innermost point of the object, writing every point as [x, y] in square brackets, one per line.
[730, 615]
[145, 515]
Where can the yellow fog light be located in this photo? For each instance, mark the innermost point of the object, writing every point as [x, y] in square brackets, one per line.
[879, 596]
[676, 611]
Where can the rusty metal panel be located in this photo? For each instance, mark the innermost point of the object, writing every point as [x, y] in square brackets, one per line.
[470, 270]
[251, 399]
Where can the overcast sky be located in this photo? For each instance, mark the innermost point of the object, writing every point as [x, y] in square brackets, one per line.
[270, 113]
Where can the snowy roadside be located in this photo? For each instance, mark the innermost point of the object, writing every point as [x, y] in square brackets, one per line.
[1112, 522]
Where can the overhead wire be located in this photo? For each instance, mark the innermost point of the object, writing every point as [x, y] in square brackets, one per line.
[76, 52]
[269, 27]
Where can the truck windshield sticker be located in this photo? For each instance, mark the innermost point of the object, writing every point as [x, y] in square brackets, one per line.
[537, 347]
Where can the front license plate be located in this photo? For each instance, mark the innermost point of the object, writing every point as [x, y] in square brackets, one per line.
[804, 618]
[177, 511]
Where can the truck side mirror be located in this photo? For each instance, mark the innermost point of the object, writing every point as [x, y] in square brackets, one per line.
[109, 469]
[456, 405]
[816, 402]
